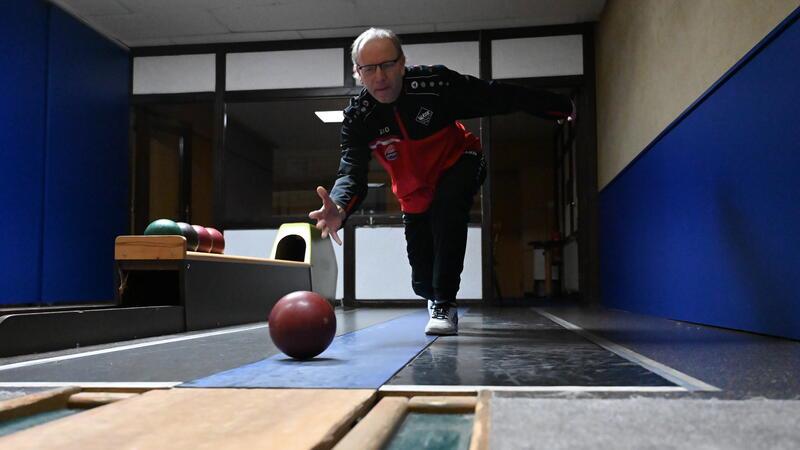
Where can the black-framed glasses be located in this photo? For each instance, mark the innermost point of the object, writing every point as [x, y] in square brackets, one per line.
[370, 69]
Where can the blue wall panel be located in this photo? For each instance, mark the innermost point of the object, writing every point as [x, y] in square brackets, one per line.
[703, 225]
[86, 169]
[23, 58]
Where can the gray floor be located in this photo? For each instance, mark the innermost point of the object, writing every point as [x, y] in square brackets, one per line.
[757, 406]
[742, 365]
[168, 361]
[518, 347]
[638, 423]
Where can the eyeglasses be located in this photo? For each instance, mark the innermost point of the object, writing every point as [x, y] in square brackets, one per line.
[367, 70]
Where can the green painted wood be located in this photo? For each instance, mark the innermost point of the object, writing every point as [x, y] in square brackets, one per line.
[433, 432]
[21, 423]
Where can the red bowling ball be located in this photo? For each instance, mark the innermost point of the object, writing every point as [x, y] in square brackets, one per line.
[302, 324]
[217, 239]
[204, 241]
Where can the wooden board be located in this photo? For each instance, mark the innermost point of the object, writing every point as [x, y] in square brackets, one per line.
[35, 403]
[149, 247]
[171, 248]
[206, 419]
[95, 399]
[377, 427]
[197, 256]
[441, 405]
[482, 424]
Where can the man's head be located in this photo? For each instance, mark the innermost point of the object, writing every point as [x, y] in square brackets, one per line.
[379, 63]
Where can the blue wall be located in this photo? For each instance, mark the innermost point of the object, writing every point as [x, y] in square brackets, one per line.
[703, 225]
[64, 138]
[23, 62]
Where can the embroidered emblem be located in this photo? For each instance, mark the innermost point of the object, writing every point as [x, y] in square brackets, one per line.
[424, 116]
[390, 153]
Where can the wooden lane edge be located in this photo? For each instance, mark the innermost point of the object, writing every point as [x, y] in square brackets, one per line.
[375, 429]
[207, 418]
[128, 248]
[482, 422]
[126, 389]
[340, 428]
[443, 404]
[410, 391]
[35, 403]
[199, 256]
[171, 248]
[84, 400]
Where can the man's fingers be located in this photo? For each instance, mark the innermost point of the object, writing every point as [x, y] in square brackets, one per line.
[322, 214]
[323, 194]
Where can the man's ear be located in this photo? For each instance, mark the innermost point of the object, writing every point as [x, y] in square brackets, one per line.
[402, 63]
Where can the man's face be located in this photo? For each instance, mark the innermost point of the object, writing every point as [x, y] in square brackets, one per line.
[382, 79]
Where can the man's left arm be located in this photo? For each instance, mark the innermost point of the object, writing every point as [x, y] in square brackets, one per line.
[471, 97]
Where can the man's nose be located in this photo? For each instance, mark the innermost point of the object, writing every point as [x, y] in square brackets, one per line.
[379, 73]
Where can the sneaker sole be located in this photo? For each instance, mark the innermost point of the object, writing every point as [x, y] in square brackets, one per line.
[441, 333]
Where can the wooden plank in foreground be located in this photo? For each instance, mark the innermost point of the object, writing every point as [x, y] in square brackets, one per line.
[442, 405]
[374, 430]
[206, 419]
[482, 424]
[35, 403]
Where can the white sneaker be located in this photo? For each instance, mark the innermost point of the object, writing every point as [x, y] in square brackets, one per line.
[444, 319]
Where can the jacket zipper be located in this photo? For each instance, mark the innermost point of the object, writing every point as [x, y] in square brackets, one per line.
[400, 122]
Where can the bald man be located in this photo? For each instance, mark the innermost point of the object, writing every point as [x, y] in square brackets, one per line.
[407, 118]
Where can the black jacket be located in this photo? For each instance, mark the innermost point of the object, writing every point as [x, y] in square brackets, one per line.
[417, 137]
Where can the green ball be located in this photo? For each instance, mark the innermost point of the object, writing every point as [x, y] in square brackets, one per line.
[162, 227]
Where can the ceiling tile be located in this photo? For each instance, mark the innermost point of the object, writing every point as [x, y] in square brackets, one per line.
[290, 16]
[167, 24]
[198, 21]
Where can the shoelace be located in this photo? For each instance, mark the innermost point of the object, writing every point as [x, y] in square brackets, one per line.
[440, 312]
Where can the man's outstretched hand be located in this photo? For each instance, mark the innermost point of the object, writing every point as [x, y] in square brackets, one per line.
[329, 218]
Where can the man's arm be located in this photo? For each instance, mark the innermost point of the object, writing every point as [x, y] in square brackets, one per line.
[472, 97]
[350, 187]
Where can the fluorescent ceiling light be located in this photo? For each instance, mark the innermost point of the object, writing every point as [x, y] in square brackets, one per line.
[330, 116]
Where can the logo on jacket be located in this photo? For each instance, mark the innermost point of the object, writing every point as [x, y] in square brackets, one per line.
[424, 116]
[390, 153]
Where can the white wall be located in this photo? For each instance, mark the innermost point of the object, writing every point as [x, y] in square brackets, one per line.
[382, 269]
[313, 68]
[383, 272]
[656, 57]
[174, 74]
[258, 244]
[547, 56]
[459, 56]
[285, 69]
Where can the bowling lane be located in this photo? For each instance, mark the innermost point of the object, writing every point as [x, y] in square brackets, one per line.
[521, 349]
[170, 359]
[362, 360]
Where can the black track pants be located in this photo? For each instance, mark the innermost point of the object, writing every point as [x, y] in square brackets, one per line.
[436, 239]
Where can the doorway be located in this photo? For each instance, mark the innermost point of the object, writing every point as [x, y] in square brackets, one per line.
[171, 163]
[534, 207]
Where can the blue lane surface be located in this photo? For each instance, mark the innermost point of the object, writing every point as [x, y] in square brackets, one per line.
[363, 359]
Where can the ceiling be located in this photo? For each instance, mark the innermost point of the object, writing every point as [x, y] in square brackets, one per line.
[138, 23]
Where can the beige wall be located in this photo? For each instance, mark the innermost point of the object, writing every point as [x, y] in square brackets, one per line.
[656, 57]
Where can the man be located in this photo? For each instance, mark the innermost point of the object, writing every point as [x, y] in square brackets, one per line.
[407, 118]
